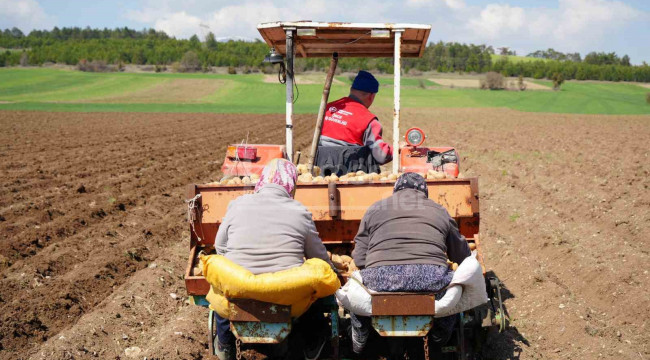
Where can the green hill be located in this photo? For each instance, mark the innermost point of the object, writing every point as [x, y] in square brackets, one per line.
[60, 90]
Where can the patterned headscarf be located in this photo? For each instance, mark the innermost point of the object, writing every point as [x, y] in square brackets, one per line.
[280, 172]
[411, 180]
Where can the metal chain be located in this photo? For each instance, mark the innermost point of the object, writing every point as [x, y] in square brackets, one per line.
[238, 349]
[426, 347]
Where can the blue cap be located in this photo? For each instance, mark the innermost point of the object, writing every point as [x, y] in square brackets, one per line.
[366, 82]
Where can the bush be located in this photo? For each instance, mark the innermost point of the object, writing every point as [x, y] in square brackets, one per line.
[24, 59]
[415, 72]
[422, 84]
[95, 66]
[558, 79]
[520, 83]
[190, 62]
[232, 70]
[268, 69]
[493, 81]
[160, 68]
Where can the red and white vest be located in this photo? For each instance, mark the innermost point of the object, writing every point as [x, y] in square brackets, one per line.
[346, 120]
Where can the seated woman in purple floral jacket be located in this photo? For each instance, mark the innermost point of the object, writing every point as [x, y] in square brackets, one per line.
[402, 245]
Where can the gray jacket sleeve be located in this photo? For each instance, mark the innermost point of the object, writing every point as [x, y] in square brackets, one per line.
[457, 247]
[314, 247]
[361, 242]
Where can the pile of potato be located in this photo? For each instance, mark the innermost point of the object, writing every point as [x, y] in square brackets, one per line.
[360, 176]
[307, 177]
[343, 263]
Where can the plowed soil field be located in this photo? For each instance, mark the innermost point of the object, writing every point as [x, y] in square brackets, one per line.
[93, 241]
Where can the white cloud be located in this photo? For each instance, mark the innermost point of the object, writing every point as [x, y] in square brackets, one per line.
[496, 20]
[455, 4]
[24, 14]
[179, 24]
[576, 25]
[579, 16]
[242, 19]
[566, 25]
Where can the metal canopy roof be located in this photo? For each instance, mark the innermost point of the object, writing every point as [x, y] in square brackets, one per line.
[348, 39]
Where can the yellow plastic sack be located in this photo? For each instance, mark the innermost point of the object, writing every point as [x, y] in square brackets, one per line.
[298, 287]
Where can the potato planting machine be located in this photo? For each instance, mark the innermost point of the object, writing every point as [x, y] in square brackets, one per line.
[338, 206]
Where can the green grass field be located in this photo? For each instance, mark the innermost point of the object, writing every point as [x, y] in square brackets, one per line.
[515, 59]
[60, 90]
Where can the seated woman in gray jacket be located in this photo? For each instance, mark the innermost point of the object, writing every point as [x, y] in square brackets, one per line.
[402, 245]
[269, 231]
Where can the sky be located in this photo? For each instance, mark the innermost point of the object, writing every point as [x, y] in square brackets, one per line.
[522, 25]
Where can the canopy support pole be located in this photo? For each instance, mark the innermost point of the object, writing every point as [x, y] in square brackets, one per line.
[397, 71]
[289, 86]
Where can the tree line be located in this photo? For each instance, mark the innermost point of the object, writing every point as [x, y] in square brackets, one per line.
[73, 46]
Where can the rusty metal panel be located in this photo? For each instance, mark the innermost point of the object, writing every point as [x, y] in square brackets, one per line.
[412, 326]
[260, 311]
[337, 231]
[253, 332]
[399, 303]
[456, 195]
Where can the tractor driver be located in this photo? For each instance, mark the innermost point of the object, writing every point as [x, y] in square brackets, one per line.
[351, 136]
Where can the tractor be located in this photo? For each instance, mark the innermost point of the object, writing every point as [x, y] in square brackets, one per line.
[337, 207]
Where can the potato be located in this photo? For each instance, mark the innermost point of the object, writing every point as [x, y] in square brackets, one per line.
[318, 179]
[338, 263]
[375, 176]
[246, 180]
[383, 179]
[197, 271]
[334, 178]
[454, 266]
[436, 175]
[392, 177]
[353, 178]
[472, 246]
[237, 180]
[384, 173]
[254, 177]
[360, 173]
[316, 170]
[352, 266]
[302, 168]
[346, 259]
[329, 254]
[344, 178]
[231, 182]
